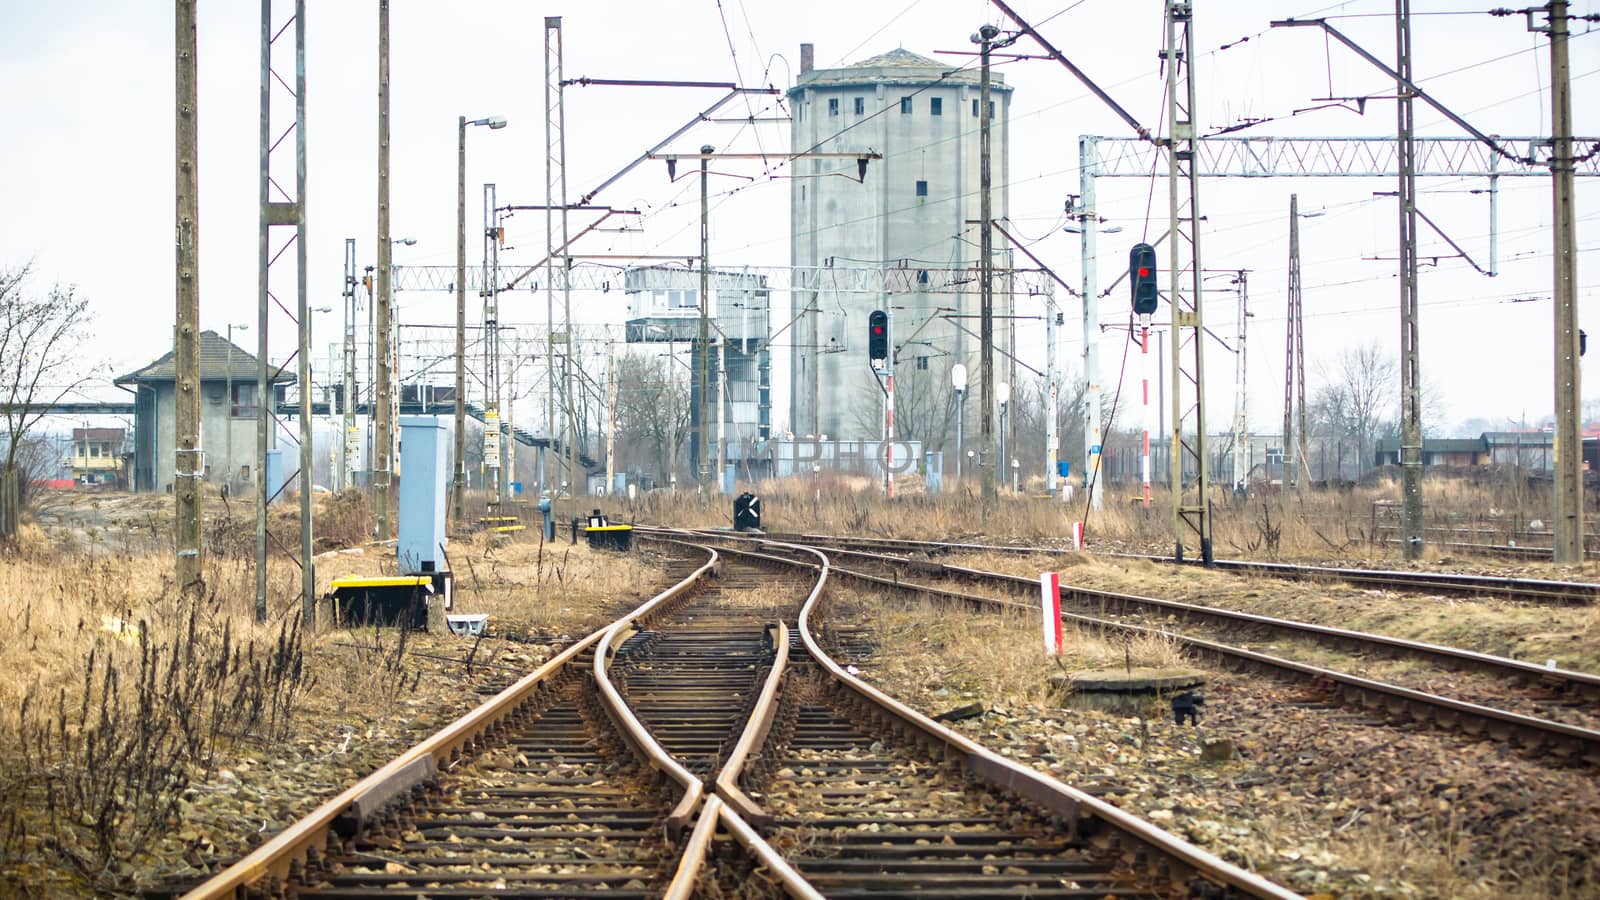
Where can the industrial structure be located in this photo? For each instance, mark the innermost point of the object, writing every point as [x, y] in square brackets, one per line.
[664, 307]
[229, 404]
[918, 209]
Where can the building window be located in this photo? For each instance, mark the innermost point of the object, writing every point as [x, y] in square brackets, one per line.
[975, 109]
[94, 450]
[905, 106]
[936, 106]
[861, 105]
[833, 106]
[922, 364]
[922, 189]
[244, 405]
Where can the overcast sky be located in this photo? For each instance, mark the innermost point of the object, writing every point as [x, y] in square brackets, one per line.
[87, 190]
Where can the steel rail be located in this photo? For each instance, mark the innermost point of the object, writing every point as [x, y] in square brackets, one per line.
[286, 852]
[1168, 856]
[729, 805]
[1569, 741]
[633, 731]
[1532, 589]
[1584, 685]
[756, 730]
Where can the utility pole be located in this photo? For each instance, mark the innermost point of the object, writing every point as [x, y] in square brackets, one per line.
[1569, 436]
[1241, 425]
[1052, 441]
[382, 441]
[555, 140]
[1410, 366]
[350, 438]
[1294, 364]
[703, 341]
[308, 571]
[491, 347]
[986, 462]
[186, 335]
[1088, 218]
[1191, 513]
[553, 117]
[458, 488]
[611, 414]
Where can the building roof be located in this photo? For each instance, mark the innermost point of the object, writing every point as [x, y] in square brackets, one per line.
[215, 358]
[99, 434]
[1519, 438]
[898, 66]
[1437, 445]
[898, 58]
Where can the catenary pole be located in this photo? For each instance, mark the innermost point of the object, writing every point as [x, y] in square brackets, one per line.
[1569, 436]
[186, 334]
[382, 441]
[1410, 365]
[308, 574]
[986, 459]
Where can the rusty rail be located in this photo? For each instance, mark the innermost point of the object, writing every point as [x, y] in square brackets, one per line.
[1177, 860]
[287, 850]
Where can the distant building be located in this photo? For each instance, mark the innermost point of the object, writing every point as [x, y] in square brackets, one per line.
[97, 455]
[229, 403]
[664, 308]
[913, 209]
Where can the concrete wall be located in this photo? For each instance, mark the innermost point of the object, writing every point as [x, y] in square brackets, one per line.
[214, 425]
[884, 221]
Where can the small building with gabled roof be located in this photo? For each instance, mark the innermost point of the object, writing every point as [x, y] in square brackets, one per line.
[229, 402]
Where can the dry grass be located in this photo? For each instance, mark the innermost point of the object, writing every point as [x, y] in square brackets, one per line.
[992, 656]
[1354, 524]
[91, 641]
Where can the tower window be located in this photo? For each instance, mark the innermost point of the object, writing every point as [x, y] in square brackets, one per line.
[922, 189]
[936, 106]
[922, 363]
[974, 109]
[861, 105]
[833, 106]
[905, 106]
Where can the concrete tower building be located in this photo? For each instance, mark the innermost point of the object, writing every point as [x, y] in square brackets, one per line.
[915, 209]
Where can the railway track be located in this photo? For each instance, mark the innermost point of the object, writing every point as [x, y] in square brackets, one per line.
[1527, 590]
[1573, 743]
[611, 770]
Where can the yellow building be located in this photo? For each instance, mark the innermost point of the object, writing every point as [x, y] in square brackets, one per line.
[97, 455]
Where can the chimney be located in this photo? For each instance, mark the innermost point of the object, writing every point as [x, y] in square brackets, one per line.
[808, 58]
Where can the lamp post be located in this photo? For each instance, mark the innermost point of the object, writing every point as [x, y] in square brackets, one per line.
[1002, 395]
[958, 381]
[459, 484]
[230, 468]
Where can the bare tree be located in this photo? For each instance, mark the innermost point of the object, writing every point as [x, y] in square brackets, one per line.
[1359, 387]
[40, 337]
[652, 413]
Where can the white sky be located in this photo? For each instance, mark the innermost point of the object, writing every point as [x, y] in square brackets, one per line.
[87, 159]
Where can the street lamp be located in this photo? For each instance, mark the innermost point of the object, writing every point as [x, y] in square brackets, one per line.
[230, 468]
[459, 482]
[958, 381]
[1002, 395]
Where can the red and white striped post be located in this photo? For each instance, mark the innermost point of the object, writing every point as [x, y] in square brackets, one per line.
[1050, 610]
[1144, 365]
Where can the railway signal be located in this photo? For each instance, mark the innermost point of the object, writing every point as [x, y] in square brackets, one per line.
[1142, 275]
[877, 336]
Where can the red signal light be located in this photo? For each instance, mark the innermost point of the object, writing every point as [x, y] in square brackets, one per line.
[1143, 272]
